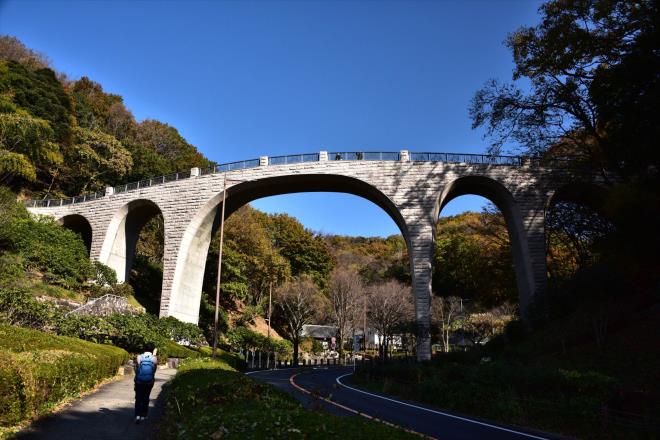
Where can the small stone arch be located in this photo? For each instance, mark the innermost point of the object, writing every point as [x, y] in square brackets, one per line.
[118, 248]
[191, 259]
[80, 225]
[497, 193]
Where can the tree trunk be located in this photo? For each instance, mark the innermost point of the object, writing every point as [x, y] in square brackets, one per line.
[295, 352]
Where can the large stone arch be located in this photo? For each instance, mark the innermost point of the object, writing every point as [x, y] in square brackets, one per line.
[497, 193]
[118, 248]
[80, 225]
[188, 275]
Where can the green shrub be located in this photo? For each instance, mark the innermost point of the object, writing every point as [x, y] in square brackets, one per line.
[104, 275]
[87, 327]
[12, 270]
[46, 246]
[133, 333]
[38, 370]
[180, 332]
[222, 354]
[18, 307]
[172, 349]
[123, 289]
[505, 390]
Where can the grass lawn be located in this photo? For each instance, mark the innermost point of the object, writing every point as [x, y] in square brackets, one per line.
[210, 399]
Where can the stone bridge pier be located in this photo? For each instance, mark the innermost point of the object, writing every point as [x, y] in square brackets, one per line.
[412, 188]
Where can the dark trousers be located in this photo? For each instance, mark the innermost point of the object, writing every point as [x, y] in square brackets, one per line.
[142, 391]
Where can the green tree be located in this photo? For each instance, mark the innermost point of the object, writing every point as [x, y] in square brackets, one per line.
[41, 94]
[307, 253]
[99, 159]
[168, 143]
[592, 68]
[25, 146]
[97, 110]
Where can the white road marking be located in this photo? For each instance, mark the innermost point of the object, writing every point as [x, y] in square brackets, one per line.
[338, 380]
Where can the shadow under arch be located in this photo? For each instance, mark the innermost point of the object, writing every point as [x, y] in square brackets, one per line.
[501, 197]
[118, 249]
[188, 277]
[80, 225]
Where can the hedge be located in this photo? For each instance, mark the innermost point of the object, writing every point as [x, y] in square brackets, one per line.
[174, 350]
[38, 370]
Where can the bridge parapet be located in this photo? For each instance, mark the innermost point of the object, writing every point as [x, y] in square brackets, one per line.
[322, 156]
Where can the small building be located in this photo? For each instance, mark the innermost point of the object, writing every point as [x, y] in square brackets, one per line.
[374, 339]
[322, 333]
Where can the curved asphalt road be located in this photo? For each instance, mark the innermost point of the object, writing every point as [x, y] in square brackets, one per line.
[334, 384]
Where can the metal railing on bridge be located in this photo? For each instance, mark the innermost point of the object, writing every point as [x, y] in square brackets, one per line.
[480, 159]
[293, 158]
[365, 155]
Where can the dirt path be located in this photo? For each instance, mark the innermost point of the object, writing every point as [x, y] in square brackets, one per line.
[105, 414]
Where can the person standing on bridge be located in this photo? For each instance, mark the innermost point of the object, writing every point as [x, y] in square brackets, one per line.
[145, 375]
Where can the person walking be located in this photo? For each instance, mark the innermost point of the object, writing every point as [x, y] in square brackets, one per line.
[145, 373]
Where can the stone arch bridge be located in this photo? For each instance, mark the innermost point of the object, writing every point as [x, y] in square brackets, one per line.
[411, 188]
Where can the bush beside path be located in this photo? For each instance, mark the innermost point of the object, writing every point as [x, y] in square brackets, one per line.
[107, 413]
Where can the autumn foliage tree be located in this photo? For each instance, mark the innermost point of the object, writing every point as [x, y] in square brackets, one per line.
[389, 304]
[473, 258]
[346, 299]
[298, 302]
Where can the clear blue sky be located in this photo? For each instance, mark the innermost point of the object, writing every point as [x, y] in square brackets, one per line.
[243, 79]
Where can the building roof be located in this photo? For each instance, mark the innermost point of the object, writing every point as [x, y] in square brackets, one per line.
[319, 331]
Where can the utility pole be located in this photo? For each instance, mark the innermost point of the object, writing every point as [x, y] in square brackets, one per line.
[364, 325]
[270, 305]
[217, 285]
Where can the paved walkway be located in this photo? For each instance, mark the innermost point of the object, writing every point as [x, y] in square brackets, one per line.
[106, 414]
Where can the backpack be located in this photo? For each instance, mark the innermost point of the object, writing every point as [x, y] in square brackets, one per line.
[146, 369]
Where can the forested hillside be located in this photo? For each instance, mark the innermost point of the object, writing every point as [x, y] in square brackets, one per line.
[62, 137]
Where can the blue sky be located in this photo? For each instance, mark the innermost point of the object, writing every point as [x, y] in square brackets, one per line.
[244, 79]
